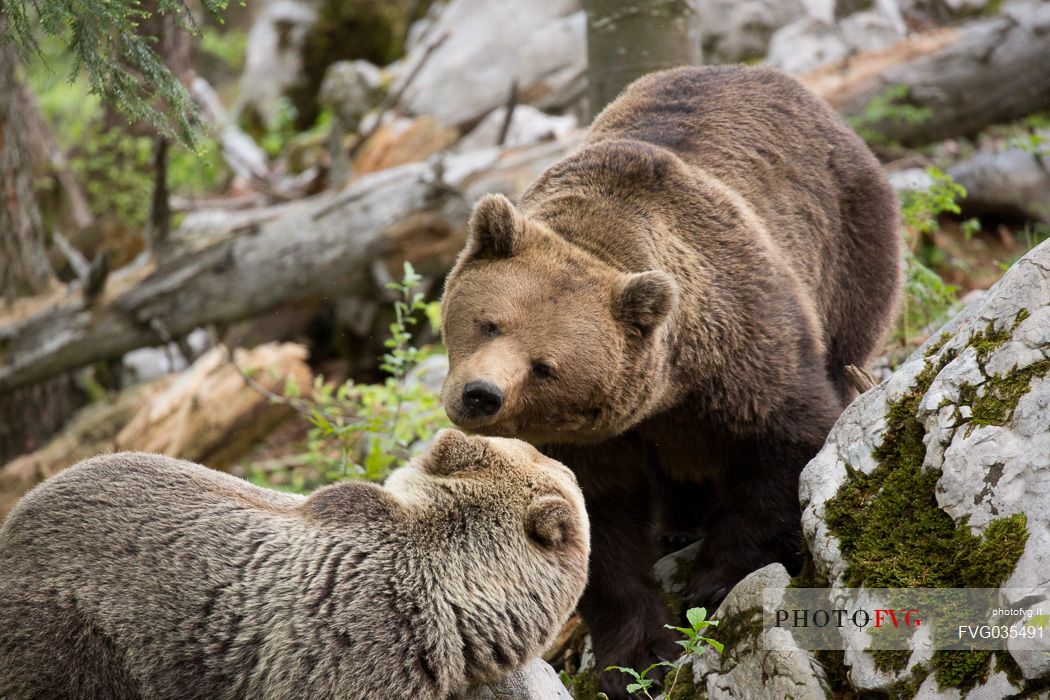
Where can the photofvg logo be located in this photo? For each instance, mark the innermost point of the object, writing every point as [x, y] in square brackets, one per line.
[861, 618]
[906, 618]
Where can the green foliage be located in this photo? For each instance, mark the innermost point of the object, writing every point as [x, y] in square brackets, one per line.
[197, 170]
[694, 641]
[970, 228]
[113, 167]
[694, 644]
[273, 137]
[230, 46]
[641, 681]
[921, 208]
[927, 298]
[361, 430]
[889, 106]
[121, 65]
[116, 172]
[1031, 140]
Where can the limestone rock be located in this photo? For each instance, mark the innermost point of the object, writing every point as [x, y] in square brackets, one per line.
[273, 59]
[980, 390]
[537, 681]
[485, 47]
[813, 41]
[805, 44]
[528, 125]
[351, 89]
[736, 31]
[754, 666]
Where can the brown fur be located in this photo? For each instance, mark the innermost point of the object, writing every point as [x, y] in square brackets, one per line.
[138, 575]
[670, 312]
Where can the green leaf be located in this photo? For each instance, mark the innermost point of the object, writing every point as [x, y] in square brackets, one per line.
[715, 644]
[630, 671]
[696, 616]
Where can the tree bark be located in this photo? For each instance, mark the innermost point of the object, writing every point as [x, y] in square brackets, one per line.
[983, 72]
[24, 269]
[627, 39]
[33, 413]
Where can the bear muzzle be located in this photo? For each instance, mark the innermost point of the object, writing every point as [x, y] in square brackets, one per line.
[482, 399]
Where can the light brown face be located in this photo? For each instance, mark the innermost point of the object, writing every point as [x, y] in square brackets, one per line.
[545, 344]
[543, 492]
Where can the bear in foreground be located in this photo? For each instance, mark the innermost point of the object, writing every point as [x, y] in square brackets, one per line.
[669, 312]
[137, 575]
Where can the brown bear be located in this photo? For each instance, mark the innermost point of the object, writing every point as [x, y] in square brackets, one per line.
[669, 312]
[137, 575]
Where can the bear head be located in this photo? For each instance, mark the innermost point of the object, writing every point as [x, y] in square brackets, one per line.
[546, 342]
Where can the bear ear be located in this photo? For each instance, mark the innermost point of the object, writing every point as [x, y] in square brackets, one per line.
[451, 451]
[496, 228]
[644, 299]
[548, 520]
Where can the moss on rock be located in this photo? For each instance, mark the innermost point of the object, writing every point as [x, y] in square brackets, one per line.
[585, 685]
[992, 402]
[961, 669]
[739, 626]
[894, 534]
[891, 660]
[684, 688]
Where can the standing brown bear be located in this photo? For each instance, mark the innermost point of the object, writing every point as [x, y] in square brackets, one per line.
[669, 312]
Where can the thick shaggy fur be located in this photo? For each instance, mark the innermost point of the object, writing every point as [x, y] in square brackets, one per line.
[137, 575]
[669, 311]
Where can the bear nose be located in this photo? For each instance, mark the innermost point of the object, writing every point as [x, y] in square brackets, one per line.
[481, 397]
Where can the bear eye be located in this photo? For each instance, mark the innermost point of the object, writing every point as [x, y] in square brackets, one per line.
[542, 370]
[489, 329]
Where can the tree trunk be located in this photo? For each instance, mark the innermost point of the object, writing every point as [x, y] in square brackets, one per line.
[627, 39]
[28, 415]
[24, 269]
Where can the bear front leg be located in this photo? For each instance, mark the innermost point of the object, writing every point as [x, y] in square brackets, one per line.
[756, 519]
[621, 604]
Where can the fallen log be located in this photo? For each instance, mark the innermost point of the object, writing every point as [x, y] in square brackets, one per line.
[979, 73]
[1011, 182]
[235, 265]
[206, 413]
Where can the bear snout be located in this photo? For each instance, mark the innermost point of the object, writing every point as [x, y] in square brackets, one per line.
[482, 398]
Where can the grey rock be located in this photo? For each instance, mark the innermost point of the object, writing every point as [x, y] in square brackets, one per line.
[736, 31]
[273, 60]
[869, 31]
[814, 41]
[987, 471]
[351, 89]
[430, 373]
[537, 681]
[486, 47]
[805, 44]
[910, 179]
[672, 571]
[767, 665]
[528, 125]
